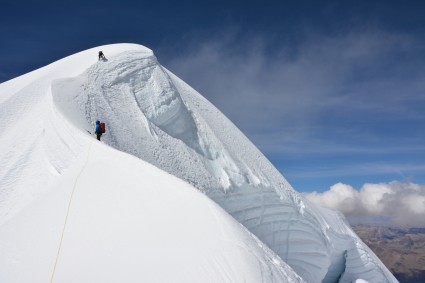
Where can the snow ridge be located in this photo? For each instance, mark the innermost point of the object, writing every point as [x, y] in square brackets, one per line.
[152, 114]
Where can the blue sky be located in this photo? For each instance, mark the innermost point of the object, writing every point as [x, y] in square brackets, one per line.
[330, 91]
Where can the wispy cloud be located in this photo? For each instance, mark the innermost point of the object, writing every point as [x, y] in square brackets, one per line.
[363, 169]
[403, 203]
[288, 145]
[320, 85]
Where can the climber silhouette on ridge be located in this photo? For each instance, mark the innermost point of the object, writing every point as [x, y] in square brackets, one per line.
[102, 56]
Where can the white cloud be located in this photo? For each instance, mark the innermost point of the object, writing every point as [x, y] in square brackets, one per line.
[404, 203]
[340, 197]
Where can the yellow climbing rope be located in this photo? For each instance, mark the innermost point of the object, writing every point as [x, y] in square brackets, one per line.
[67, 211]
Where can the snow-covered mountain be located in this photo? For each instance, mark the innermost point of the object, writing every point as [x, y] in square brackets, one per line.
[75, 209]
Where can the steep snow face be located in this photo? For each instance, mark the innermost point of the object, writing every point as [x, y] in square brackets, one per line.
[152, 114]
[155, 116]
[147, 117]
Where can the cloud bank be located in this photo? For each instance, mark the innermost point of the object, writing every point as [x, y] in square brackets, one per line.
[403, 203]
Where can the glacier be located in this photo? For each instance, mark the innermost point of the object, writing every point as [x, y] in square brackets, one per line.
[153, 117]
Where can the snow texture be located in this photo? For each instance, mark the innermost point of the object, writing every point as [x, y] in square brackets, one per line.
[129, 221]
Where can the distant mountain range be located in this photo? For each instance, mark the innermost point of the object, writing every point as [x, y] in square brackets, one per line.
[402, 250]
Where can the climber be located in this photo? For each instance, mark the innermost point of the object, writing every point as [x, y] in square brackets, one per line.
[98, 130]
[102, 56]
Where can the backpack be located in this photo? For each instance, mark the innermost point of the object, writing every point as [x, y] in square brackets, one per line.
[102, 127]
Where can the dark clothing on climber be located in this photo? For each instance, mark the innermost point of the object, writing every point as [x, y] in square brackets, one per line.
[98, 130]
[101, 56]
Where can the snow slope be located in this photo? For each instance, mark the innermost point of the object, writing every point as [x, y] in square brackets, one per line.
[135, 224]
[153, 115]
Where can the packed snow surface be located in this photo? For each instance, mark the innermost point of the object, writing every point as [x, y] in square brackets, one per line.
[131, 223]
[73, 209]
